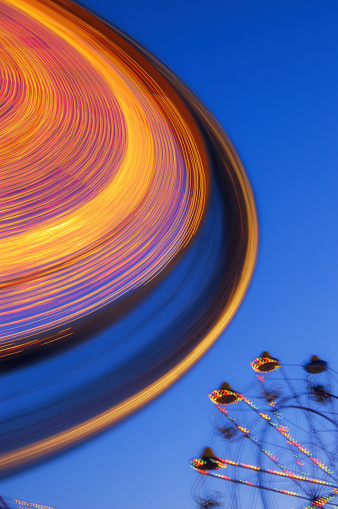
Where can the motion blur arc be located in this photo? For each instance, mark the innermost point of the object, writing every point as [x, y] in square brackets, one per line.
[151, 178]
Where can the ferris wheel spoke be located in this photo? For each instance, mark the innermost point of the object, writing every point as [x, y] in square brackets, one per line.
[285, 470]
[317, 390]
[319, 439]
[223, 463]
[271, 489]
[284, 431]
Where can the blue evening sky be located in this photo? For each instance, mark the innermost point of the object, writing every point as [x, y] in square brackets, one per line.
[268, 71]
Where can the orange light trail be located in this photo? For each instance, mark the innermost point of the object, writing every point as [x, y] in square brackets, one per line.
[89, 210]
[105, 182]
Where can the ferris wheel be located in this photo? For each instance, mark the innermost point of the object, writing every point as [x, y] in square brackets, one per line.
[275, 443]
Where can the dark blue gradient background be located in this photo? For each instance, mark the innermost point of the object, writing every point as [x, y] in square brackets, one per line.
[268, 71]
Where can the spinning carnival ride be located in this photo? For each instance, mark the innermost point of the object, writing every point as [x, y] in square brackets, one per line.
[116, 182]
[277, 440]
